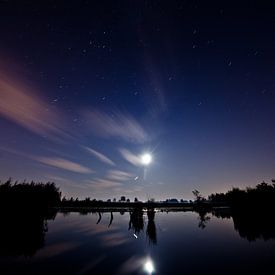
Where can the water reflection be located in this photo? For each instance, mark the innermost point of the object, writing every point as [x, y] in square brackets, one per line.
[251, 225]
[149, 266]
[151, 231]
[23, 232]
[138, 265]
[136, 222]
[99, 218]
[203, 218]
[111, 219]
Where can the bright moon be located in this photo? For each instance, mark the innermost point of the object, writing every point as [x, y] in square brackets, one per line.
[146, 159]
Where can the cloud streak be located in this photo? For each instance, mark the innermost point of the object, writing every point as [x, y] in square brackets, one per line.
[52, 161]
[116, 125]
[118, 175]
[100, 156]
[64, 164]
[100, 184]
[130, 157]
[28, 110]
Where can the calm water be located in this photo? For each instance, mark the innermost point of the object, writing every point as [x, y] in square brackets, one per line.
[168, 243]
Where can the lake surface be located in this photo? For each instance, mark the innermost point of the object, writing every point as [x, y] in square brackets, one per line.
[136, 243]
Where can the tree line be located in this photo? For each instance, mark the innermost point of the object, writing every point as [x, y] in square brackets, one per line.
[262, 195]
[45, 195]
[29, 195]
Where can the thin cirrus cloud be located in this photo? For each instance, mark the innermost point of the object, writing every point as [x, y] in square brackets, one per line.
[64, 165]
[60, 163]
[118, 175]
[113, 179]
[27, 110]
[101, 184]
[117, 125]
[100, 156]
[130, 157]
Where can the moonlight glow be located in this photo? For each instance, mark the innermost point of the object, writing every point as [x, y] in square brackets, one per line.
[146, 159]
[149, 267]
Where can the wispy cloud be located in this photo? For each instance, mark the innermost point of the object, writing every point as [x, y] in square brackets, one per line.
[52, 161]
[26, 109]
[67, 182]
[116, 125]
[100, 156]
[14, 152]
[130, 157]
[99, 183]
[118, 175]
[64, 164]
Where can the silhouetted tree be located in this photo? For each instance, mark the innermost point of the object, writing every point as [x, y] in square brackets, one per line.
[260, 197]
[87, 200]
[36, 195]
[198, 196]
[122, 198]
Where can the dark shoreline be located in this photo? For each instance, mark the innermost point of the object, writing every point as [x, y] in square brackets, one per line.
[126, 207]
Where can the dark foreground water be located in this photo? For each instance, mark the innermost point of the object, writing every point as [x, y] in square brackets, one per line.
[136, 243]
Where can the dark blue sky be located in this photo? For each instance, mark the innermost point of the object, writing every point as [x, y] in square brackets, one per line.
[86, 88]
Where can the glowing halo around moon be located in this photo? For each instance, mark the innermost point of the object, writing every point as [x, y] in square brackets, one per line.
[146, 159]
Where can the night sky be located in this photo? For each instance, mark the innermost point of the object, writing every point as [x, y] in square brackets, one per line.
[86, 87]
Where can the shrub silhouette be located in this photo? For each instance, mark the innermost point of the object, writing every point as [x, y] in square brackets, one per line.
[260, 197]
[29, 195]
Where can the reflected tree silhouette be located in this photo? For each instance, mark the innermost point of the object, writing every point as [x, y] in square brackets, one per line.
[251, 224]
[24, 211]
[151, 231]
[136, 222]
[99, 218]
[111, 219]
[203, 218]
[255, 225]
[22, 232]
